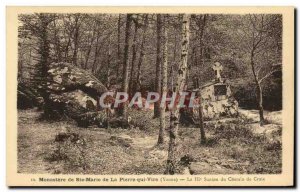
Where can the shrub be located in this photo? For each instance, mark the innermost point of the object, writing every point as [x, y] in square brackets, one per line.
[69, 148]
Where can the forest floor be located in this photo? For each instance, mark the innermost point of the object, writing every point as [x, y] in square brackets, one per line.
[234, 146]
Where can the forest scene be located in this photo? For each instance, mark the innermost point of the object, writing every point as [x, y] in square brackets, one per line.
[99, 93]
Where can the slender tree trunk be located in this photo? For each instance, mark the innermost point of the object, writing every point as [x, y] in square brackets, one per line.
[180, 85]
[201, 25]
[43, 65]
[30, 56]
[158, 63]
[87, 57]
[173, 64]
[195, 56]
[175, 49]
[164, 85]
[201, 124]
[134, 48]
[258, 91]
[89, 50]
[119, 46]
[69, 36]
[172, 77]
[108, 64]
[142, 55]
[66, 59]
[98, 48]
[57, 44]
[260, 105]
[76, 38]
[124, 110]
[96, 53]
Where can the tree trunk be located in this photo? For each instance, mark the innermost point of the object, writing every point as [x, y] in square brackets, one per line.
[76, 38]
[57, 44]
[201, 124]
[44, 54]
[175, 48]
[164, 85]
[89, 50]
[119, 47]
[180, 85]
[158, 63]
[124, 108]
[201, 25]
[172, 77]
[108, 64]
[67, 36]
[96, 53]
[142, 55]
[258, 91]
[260, 105]
[134, 48]
[173, 64]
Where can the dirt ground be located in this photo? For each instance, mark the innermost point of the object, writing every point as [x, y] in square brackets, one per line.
[235, 146]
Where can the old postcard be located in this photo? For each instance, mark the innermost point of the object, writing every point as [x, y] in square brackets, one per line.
[150, 96]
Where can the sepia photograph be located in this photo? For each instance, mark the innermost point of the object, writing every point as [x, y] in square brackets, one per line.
[193, 94]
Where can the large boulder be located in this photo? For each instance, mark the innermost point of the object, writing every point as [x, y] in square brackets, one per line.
[64, 77]
[72, 104]
[74, 92]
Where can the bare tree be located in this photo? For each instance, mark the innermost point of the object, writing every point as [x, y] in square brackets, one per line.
[180, 85]
[76, 38]
[90, 44]
[200, 24]
[57, 43]
[159, 35]
[201, 123]
[164, 83]
[108, 63]
[126, 62]
[142, 53]
[119, 42]
[134, 55]
[258, 35]
[96, 52]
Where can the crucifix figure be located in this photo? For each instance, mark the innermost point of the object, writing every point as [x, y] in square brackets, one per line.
[217, 67]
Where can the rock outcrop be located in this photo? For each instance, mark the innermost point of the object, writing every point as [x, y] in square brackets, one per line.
[64, 77]
[74, 92]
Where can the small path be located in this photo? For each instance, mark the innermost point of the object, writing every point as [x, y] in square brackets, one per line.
[212, 165]
[144, 143]
[148, 146]
[274, 118]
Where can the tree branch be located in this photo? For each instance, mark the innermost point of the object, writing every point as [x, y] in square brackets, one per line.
[268, 75]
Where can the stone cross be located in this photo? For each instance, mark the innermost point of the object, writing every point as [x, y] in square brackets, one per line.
[217, 67]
